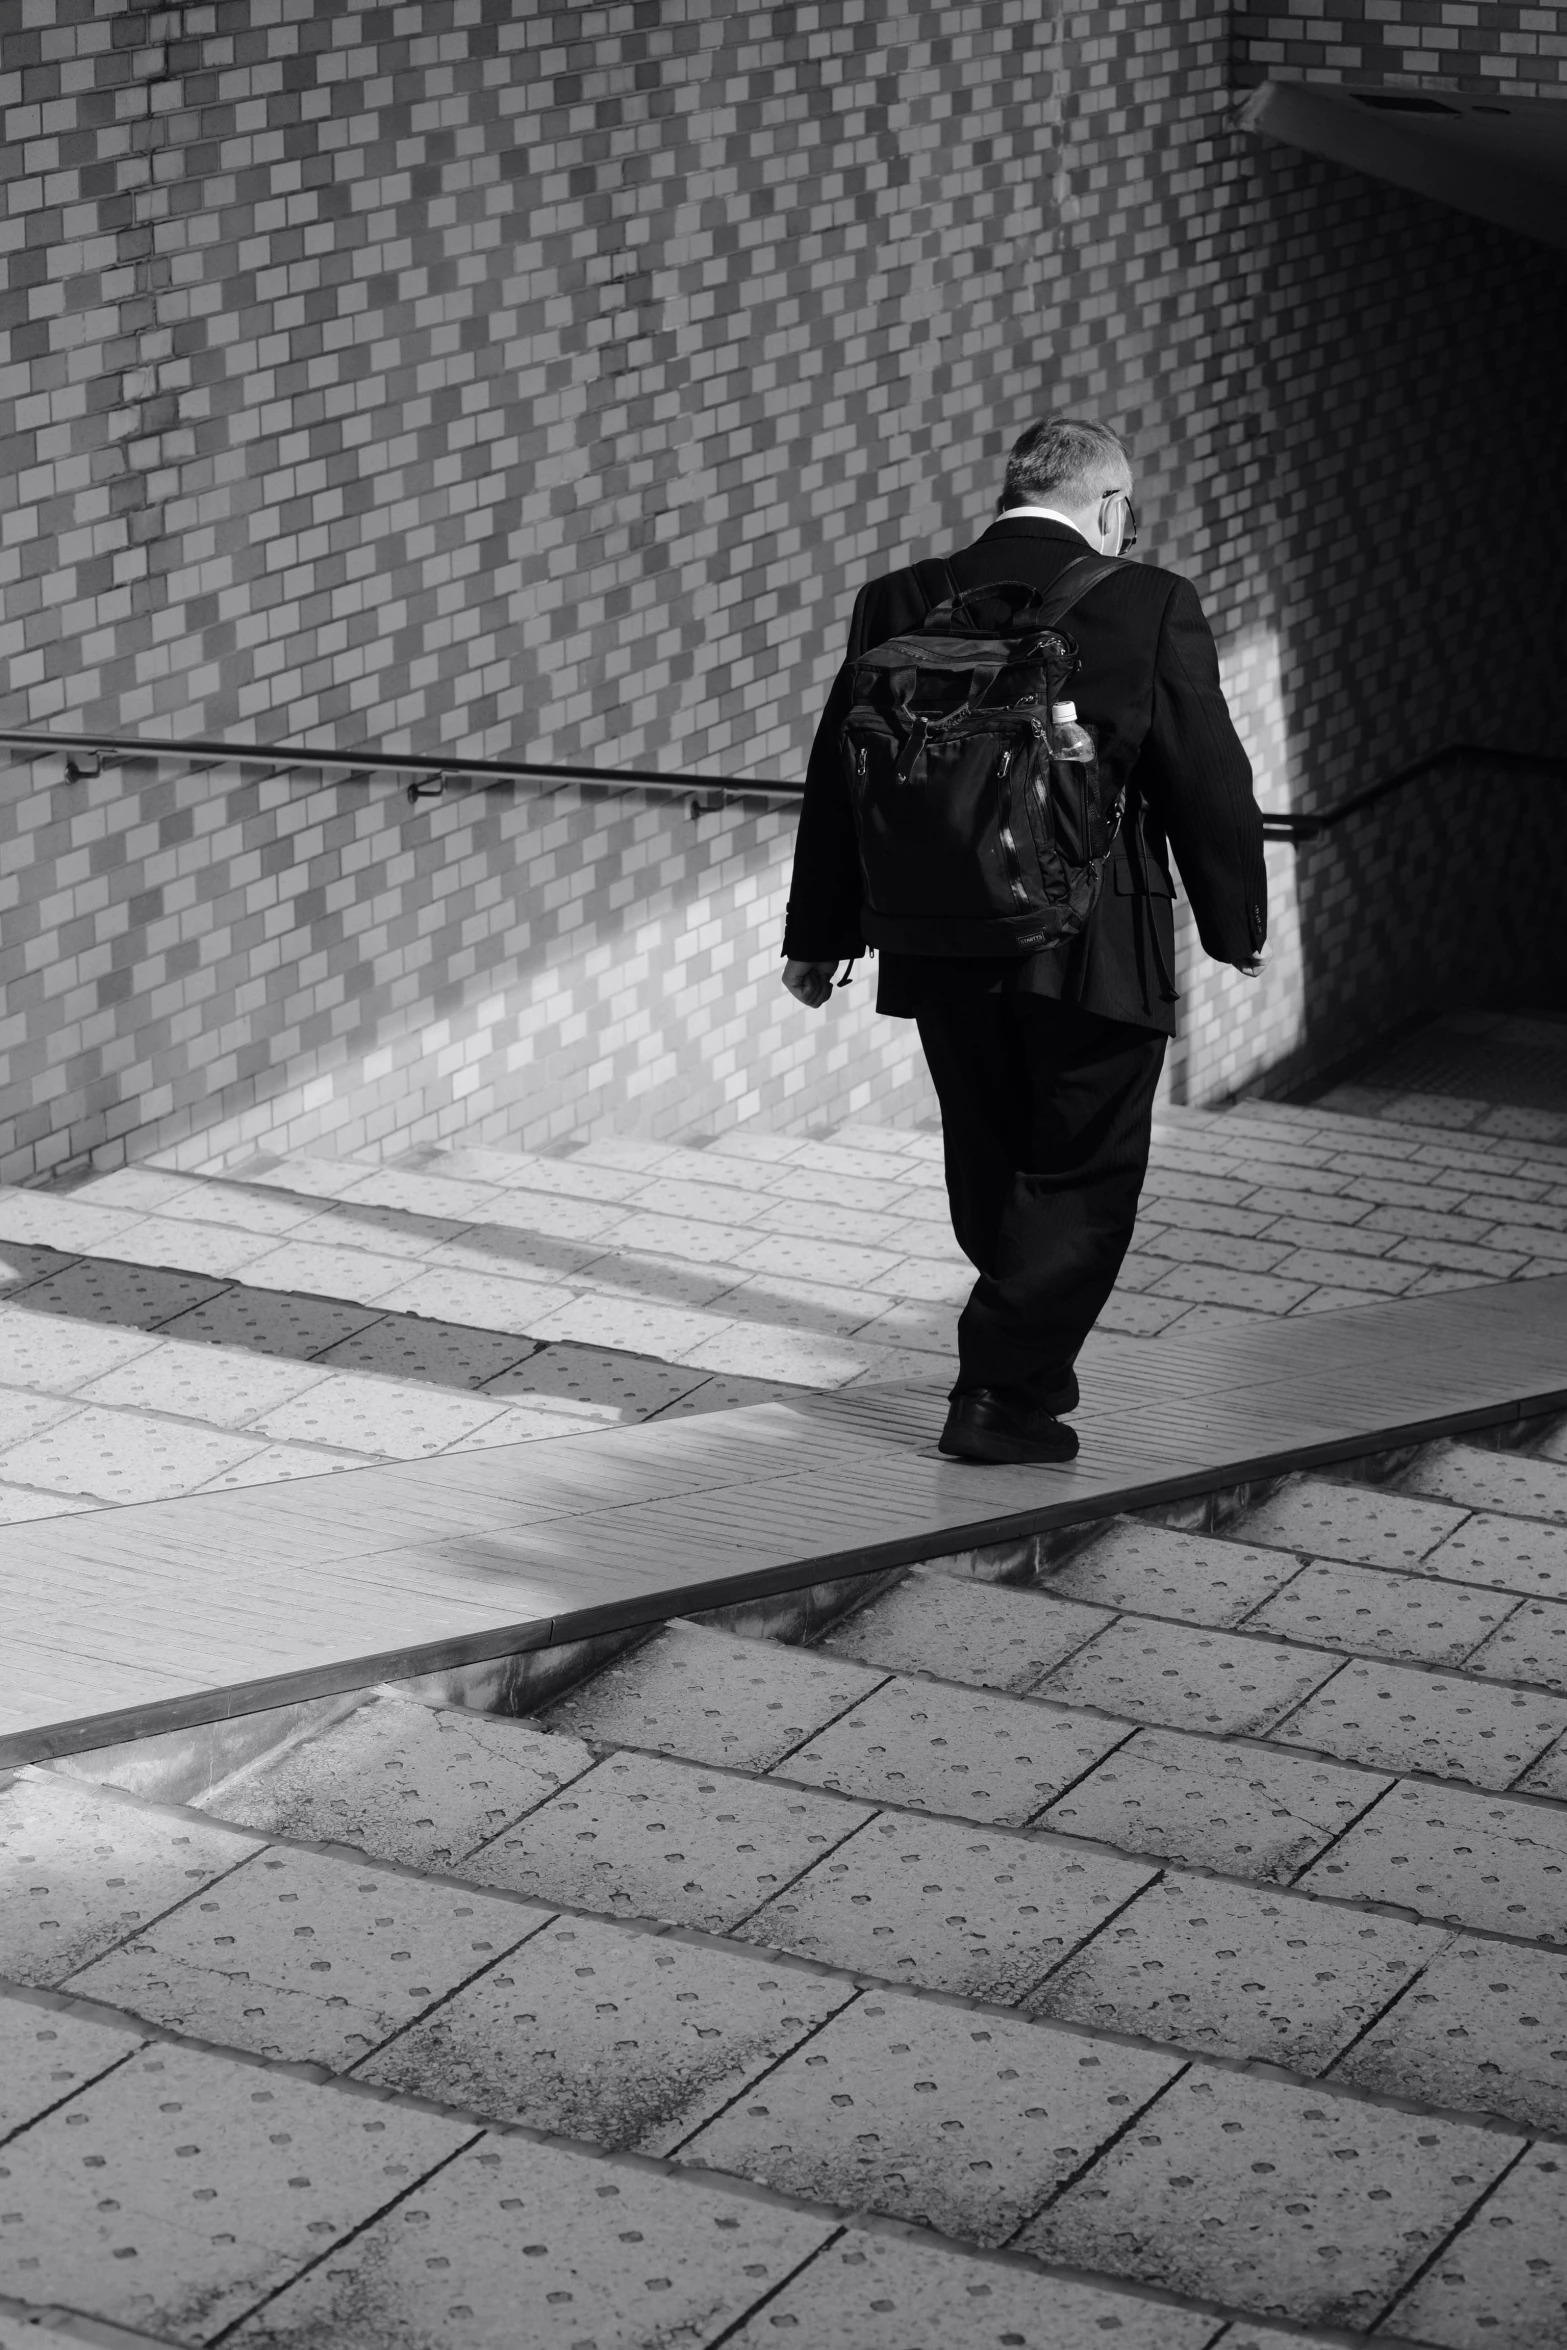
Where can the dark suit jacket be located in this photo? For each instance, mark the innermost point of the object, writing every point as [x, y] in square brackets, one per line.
[1149, 686]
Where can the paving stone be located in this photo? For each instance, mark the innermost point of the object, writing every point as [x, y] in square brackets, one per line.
[47, 2054]
[80, 1871]
[19, 1506]
[182, 2188]
[226, 1201]
[1229, 1970]
[1466, 1858]
[881, 2292]
[1502, 2282]
[1485, 2026]
[1530, 1645]
[1154, 1570]
[934, 1903]
[539, 2246]
[1510, 1554]
[711, 1698]
[443, 1354]
[24, 1413]
[530, 1423]
[199, 1383]
[637, 1386]
[1272, 2197]
[316, 1269]
[925, 2112]
[1398, 1718]
[21, 1266]
[403, 1782]
[1366, 1523]
[124, 1456]
[606, 2033]
[639, 1837]
[1367, 1610]
[220, 1251]
[933, 1747]
[1186, 1678]
[307, 1957]
[1234, 1808]
[48, 1351]
[365, 1414]
[134, 1296]
[965, 1631]
[52, 1219]
[272, 1324]
[1485, 1480]
[275, 1463]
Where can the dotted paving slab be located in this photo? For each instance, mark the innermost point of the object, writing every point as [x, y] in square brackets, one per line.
[938, 1748]
[1464, 1858]
[310, 1959]
[1238, 1809]
[1531, 1645]
[1483, 1480]
[1369, 1611]
[1395, 1717]
[1187, 1679]
[80, 1872]
[46, 2055]
[622, 2038]
[711, 1698]
[1154, 1570]
[934, 1903]
[179, 2190]
[1377, 1528]
[1485, 2027]
[925, 2112]
[1503, 2279]
[404, 1782]
[640, 1837]
[1273, 2197]
[1509, 1554]
[1230, 1970]
[961, 1630]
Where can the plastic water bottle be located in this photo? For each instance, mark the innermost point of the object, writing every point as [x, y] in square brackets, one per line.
[1068, 740]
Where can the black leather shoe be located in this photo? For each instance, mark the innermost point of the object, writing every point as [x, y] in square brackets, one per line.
[983, 1426]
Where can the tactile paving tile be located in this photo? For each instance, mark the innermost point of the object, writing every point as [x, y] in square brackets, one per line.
[24, 1413]
[1231, 1970]
[885, 2293]
[51, 1219]
[1503, 2279]
[229, 1201]
[276, 1462]
[21, 1266]
[18, 1506]
[272, 1324]
[1509, 1554]
[200, 1383]
[137, 1297]
[712, 1698]
[46, 2055]
[1366, 1610]
[1369, 1524]
[220, 1251]
[603, 2032]
[124, 1456]
[317, 1269]
[80, 1871]
[535, 2245]
[1530, 1645]
[1155, 1571]
[720, 1391]
[307, 1957]
[1397, 1718]
[443, 1354]
[1233, 1808]
[1268, 2196]
[362, 1413]
[934, 1747]
[965, 1631]
[1479, 1479]
[924, 2112]
[1465, 1858]
[403, 1782]
[643, 1838]
[587, 1374]
[933, 1903]
[1485, 2026]
[183, 2188]
[1188, 1678]
[51, 1352]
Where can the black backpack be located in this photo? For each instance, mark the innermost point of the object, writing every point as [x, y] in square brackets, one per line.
[973, 839]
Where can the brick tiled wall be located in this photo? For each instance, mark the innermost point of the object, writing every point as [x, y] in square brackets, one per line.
[544, 381]
[1487, 47]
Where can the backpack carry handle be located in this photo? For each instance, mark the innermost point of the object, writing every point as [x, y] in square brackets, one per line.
[1025, 609]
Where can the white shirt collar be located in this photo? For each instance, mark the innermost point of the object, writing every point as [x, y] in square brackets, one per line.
[1040, 514]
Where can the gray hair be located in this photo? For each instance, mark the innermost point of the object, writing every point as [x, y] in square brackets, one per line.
[1065, 459]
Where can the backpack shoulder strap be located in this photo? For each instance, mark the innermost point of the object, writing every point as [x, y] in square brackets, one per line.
[1081, 574]
[935, 582]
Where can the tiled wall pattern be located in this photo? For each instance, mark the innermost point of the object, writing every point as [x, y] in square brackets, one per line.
[1483, 46]
[545, 380]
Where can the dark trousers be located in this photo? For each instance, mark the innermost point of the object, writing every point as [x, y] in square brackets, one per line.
[1046, 1113]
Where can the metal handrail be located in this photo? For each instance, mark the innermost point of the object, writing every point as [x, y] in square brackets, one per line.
[433, 775]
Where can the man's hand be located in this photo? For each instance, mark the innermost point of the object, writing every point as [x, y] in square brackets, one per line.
[1253, 968]
[809, 983]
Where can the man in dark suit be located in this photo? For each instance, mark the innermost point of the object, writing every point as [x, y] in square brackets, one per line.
[1045, 1064]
